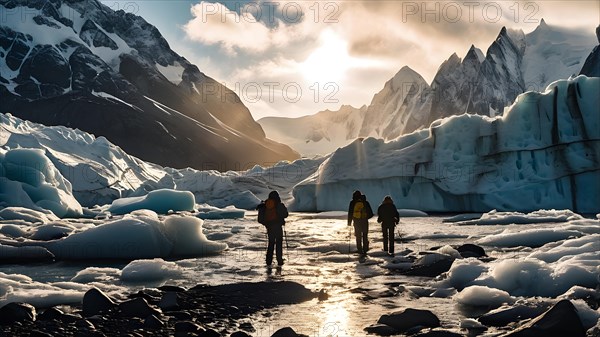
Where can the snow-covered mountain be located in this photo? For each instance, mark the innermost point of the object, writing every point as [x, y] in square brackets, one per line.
[80, 64]
[483, 84]
[543, 153]
[319, 134]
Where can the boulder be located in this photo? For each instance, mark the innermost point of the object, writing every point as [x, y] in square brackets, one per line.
[17, 312]
[185, 327]
[137, 307]
[560, 321]
[471, 250]
[209, 333]
[503, 316]
[96, 302]
[169, 301]
[430, 265]
[409, 319]
[287, 332]
[153, 322]
[239, 334]
[381, 330]
[58, 315]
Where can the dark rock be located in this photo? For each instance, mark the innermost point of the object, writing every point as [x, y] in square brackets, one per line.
[153, 322]
[381, 330]
[439, 333]
[188, 327]
[287, 332]
[560, 321]
[43, 21]
[180, 315]
[209, 333]
[47, 65]
[17, 312]
[28, 89]
[591, 67]
[96, 302]
[50, 314]
[169, 301]
[504, 316]
[38, 333]
[239, 334]
[85, 324]
[430, 270]
[247, 326]
[18, 51]
[471, 250]
[409, 318]
[96, 37]
[174, 289]
[137, 307]
[58, 315]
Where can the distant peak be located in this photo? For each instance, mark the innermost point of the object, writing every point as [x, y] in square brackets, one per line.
[543, 23]
[475, 53]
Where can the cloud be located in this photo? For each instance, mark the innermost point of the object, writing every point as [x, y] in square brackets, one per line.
[275, 46]
[214, 23]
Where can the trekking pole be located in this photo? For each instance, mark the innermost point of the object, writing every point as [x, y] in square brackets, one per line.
[349, 239]
[287, 246]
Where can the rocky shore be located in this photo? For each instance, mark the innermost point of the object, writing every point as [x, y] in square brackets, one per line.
[166, 311]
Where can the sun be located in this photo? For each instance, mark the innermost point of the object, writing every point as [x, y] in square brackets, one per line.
[329, 62]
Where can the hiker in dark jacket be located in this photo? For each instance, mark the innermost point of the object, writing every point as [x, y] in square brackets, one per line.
[272, 213]
[359, 213]
[388, 216]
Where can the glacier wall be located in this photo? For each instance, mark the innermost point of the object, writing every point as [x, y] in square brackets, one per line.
[544, 152]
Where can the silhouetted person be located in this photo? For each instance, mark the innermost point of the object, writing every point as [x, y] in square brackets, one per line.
[359, 213]
[388, 216]
[272, 213]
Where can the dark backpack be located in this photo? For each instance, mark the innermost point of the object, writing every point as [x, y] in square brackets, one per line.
[267, 212]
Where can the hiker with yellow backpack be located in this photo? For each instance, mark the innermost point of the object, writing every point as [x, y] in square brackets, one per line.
[272, 213]
[359, 213]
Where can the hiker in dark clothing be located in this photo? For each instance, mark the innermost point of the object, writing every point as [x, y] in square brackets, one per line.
[360, 212]
[388, 216]
[272, 213]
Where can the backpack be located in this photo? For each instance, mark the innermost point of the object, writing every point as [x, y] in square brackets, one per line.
[359, 211]
[270, 211]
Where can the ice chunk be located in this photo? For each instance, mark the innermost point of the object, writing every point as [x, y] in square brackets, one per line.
[463, 272]
[140, 271]
[482, 296]
[160, 201]
[529, 238]
[30, 171]
[28, 215]
[139, 235]
[230, 212]
[12, 231]
[20, 288]
[51, 232]
[541, 216]
[97, 274]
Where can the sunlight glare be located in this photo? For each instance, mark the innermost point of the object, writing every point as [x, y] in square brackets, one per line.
[329, 62]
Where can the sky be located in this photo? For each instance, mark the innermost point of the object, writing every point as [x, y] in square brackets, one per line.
[295, 58]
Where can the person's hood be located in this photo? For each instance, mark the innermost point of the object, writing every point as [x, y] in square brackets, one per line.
[356, 195]
[275, 196]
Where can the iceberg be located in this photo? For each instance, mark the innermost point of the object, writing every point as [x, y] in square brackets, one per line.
[543, 153]
[29, 179]
[160, 201]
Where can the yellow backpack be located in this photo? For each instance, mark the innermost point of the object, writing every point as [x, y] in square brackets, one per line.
[359, 211]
